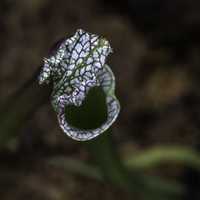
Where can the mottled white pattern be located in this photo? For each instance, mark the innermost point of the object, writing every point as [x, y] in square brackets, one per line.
[76, 66]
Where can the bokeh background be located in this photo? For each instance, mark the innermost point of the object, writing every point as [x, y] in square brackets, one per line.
[153, 150]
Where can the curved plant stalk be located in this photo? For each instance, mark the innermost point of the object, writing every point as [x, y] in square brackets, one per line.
[101, 148]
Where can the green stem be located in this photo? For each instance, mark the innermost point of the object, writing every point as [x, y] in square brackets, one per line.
[154, 187]
[106, 158]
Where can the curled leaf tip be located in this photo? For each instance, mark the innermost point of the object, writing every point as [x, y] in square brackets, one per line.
[77, 65]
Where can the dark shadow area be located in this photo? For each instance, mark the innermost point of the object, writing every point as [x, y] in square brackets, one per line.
[85, 116]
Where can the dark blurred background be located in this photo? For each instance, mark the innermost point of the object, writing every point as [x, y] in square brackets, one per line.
[156, 63]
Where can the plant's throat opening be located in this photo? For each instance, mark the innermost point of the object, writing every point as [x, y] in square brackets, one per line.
[91, 114]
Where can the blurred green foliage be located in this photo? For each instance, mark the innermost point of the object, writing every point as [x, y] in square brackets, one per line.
[127, 174]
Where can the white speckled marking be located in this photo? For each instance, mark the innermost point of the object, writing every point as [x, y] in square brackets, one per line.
[76, 67]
